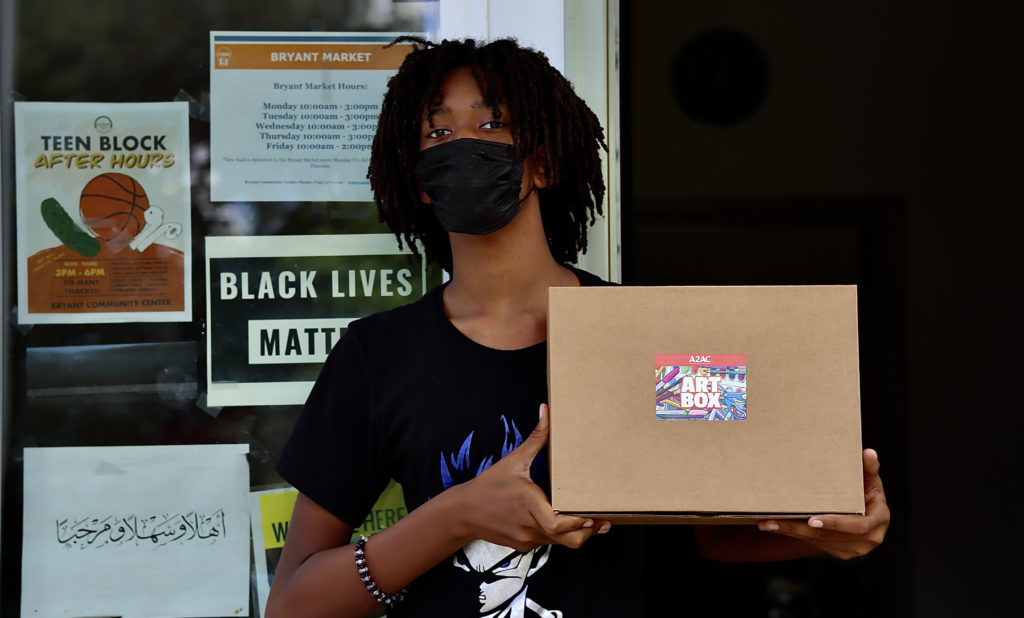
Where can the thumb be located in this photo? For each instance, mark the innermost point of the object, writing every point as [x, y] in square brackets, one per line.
[872, 481]
[537, 438]
[871, 465]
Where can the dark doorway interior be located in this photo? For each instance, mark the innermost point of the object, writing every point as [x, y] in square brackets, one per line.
[801, 241]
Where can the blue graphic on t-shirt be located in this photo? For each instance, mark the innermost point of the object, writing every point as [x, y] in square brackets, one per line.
[461, 463]
[502, 573]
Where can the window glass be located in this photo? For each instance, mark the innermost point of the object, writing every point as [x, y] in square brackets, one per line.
[113, 384]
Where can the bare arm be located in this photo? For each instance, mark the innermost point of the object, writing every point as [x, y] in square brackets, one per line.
[317, 574]
[842, 536]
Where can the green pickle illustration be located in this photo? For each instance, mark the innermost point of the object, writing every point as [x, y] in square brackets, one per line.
[60, 223]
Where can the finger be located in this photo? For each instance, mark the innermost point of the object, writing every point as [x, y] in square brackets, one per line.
[871, 467]
[873, 489]
[877, 511]
[553, 523]
[846, 524]
[537, 438]
[870, 456]
[835, 544]
[576, 538]
[795, 529]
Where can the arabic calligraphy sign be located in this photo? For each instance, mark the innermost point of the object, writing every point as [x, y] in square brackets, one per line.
[158, 530]
[122, 531]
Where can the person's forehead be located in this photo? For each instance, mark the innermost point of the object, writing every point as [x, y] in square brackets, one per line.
[460, 85]
[443, 108]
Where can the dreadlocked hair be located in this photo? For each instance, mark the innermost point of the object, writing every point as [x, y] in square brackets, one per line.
[549, 120]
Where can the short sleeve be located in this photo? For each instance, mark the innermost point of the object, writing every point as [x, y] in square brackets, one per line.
[331, 455]
[588, 279]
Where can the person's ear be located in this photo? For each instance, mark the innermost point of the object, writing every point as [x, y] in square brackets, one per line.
[541, 168]
[423, 194]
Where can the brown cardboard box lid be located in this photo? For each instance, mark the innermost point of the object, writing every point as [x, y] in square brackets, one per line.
[796, 453]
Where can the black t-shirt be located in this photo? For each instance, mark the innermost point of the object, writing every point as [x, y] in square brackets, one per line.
[406, 395]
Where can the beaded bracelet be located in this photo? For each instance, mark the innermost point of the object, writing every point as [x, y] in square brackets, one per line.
[371, 586]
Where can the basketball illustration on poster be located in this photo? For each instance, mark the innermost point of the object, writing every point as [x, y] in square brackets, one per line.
[103, 212]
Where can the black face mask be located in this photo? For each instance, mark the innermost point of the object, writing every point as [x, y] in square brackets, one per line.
[473, 184]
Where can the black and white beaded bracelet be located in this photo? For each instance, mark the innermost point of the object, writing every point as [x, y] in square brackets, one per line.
[371, 586]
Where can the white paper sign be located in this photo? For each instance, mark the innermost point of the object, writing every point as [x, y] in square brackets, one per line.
[293, 114]
[104, 212]
[276, 305]
[146, 531]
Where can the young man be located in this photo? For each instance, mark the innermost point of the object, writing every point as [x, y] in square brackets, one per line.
[487, 157]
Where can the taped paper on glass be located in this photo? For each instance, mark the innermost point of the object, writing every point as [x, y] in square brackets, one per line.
[142, 531]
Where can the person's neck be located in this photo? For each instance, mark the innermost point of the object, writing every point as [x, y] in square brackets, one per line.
[498, 292]
[505, 268]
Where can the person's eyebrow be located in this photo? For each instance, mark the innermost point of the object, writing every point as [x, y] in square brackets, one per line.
[435, 111]
[444, 109]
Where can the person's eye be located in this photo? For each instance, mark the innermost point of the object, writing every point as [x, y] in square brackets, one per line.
[438, 133]
[493, 124]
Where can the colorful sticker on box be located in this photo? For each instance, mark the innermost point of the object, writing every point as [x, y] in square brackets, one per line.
[709, 387]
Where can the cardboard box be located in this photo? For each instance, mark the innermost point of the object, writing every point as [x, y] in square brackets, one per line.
[776, 368]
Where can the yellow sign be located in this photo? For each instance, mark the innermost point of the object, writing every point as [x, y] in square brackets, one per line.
[276, 513]
[389, 508]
